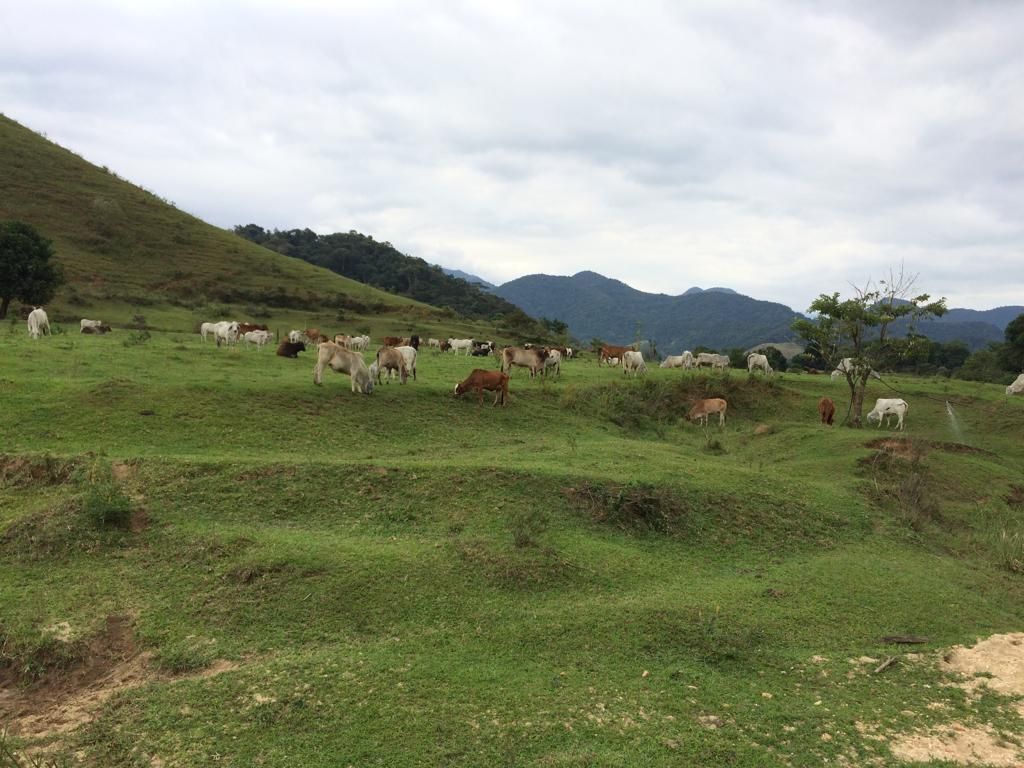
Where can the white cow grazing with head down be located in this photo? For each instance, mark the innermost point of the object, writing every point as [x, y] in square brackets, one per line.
[1017, 387]
[259, 338]
[886, 407]
[715, 362]
[343, 361]
[633, 363]
[846, 366]
[38, 323]
[755, 360]
[684, 360]
[409, 354]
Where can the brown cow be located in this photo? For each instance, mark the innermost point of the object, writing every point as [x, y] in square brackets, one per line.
[244, 328]
[526, 358]
[827, 409]
[290, 348]
[704, 407]
[394, 341]
[609, 351]
[389, 359]
[492, 381]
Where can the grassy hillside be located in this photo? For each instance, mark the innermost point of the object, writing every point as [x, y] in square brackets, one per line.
[126, 251]
[305, 576]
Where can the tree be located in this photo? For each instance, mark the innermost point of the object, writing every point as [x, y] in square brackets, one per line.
[1013, 349]
[858, 328]
[26, 271]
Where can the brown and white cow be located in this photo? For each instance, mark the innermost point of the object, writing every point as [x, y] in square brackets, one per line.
[492, 381]
[533, 359]
[389, 359]
[704, 408]
[609, 351]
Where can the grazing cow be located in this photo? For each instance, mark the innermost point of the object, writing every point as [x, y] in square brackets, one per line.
[827, 410]
[886, 407]
[409, 354]
[713, 361]
[226, 331]
[83, 324]
[480, 350]
[705, 407]
[757, 360]
[343, 361]
[290, 348]
[609, 351]
[845, 366]
[244, 328]
[456, 344]
[38, 323]
[259, 338]
[633, 363]
[434, 343]
[390, 359]
[360, 343]
[684, 360]
[1017, 387]
[525, 358]
[613, 361]
[492, 381]
[97, 329]
[553, 360]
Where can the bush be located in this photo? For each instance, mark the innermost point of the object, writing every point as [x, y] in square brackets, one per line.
[105, 505]
[134, 339]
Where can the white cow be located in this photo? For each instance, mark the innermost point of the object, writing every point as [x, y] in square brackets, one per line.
[457, 344]
[293, 336]
[846, 366]
[410, 354]
[343, 361]
[83, 324]
[38, 323]
[1017, 387]
[633, 363]
[755, 360]
[612, 361]
[208, 329]
[259, 338]
[684, 360]
[710, 359]
[359, 343]
[886, 407]
[226, 331]
[434, 343]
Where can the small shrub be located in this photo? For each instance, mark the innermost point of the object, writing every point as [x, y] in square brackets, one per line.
[105, 505]
[527, 526]
[135, 339]
[1009, 550]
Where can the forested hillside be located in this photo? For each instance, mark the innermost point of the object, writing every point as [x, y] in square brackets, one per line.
[381, 265]
[596, 306]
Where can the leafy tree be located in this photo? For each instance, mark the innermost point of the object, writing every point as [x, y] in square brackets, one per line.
[858, 328]
[26, 271]
[1013, 349]
[737, 358]
[776, 359]
[983, 365]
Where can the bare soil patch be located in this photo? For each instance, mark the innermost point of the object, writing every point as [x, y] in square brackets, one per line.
[958, 744]
[66, 698]
[23, 471]
[999, 658]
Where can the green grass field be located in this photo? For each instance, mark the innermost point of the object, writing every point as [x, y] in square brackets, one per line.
[207, 560]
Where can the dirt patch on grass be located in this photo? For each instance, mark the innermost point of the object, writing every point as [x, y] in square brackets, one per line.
[995, 663]
[24, 471]
[908, 447]
[957, 743]
[72, 694]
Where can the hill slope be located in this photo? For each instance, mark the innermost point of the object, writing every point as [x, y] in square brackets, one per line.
[380, 264]
[594, 305]
[123, 245]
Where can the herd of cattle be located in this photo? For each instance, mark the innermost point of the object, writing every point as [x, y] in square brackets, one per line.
[398, 357]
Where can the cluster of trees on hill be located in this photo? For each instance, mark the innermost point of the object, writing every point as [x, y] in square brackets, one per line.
[27, 272]
[381, 265]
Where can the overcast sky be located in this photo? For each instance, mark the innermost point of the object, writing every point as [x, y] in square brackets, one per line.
[783, 149]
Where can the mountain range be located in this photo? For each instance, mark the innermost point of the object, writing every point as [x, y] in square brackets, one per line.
[593, 305]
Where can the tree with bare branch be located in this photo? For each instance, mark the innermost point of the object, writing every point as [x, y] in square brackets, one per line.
[860, 328]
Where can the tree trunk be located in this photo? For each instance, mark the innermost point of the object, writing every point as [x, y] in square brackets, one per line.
[4, 303]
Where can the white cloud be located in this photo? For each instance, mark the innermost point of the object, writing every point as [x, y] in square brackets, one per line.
[782, 149]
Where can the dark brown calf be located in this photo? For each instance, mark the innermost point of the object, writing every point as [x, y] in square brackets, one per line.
[492, 381]
[290, 349]
[827, 410]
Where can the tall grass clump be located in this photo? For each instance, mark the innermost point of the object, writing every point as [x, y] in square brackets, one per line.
[1008, 547]
[105, 505]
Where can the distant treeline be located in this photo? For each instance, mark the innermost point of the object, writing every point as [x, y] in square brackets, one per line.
[381, 265]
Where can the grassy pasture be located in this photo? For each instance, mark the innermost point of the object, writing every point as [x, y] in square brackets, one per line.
[579, 579]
